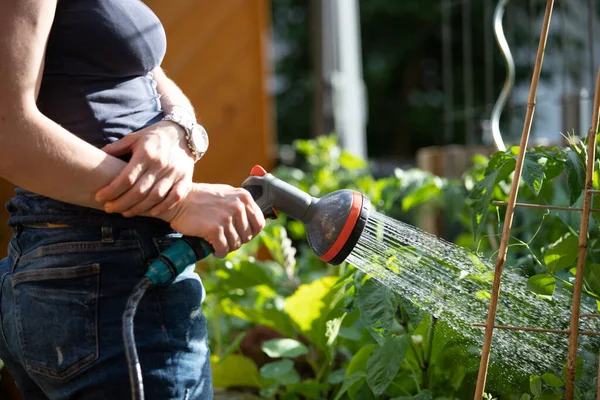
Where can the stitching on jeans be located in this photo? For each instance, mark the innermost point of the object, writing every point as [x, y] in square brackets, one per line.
[55, 273]
[78, 365]
[74, 247]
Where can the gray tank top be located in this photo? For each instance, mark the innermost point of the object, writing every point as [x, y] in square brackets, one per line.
[97, 83]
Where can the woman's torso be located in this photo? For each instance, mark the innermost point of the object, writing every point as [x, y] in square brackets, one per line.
[97, 84]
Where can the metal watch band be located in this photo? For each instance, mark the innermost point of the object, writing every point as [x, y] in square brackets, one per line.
[187, 126]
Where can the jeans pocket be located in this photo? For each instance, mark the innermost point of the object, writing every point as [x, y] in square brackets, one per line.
[56, 315]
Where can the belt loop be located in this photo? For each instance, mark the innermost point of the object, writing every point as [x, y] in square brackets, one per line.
[107, 234]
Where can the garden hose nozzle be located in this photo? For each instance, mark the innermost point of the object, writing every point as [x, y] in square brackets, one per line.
[333, 222]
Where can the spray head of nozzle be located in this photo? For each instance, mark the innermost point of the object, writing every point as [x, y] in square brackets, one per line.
[333, 222]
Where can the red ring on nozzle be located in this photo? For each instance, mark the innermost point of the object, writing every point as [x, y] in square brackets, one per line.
[342, 239]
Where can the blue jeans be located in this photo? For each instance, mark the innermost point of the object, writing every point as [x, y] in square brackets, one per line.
[63, 291]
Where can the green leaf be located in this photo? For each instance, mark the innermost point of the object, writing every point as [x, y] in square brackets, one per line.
[233, 346]
[310, 305]
[384, 363]
[424, 193]
[271, 317]
[351, 380]
[277, 368]
[552, 380]
[533, 175]
[482, 198]
[351, 162]
[337, 376]
[591, 274]
[423, 395]
[525, 397]
[377, 305]
[543, 284]
[286, 348]
[309, 389]
[235, 370]
[535, 385]
[359, 360]
[549, 395]
[575, 169]
[289, 378]
[562, 254]
[245, 274]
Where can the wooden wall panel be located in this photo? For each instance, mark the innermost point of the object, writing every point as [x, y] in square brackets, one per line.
[217, 52]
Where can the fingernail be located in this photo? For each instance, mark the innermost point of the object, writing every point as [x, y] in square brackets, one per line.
[127, 214]
[108, 208]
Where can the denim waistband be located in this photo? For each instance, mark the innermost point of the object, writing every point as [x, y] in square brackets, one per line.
[34, 240]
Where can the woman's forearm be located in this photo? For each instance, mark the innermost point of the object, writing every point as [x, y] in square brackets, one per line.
[40, 156]
[172, 99]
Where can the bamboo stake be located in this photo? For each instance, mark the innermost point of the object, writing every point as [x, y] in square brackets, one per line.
[540, 330]
[583, 242]
[510, 209]
[543, 206]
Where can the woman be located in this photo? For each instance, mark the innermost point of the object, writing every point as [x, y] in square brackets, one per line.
[101, 146]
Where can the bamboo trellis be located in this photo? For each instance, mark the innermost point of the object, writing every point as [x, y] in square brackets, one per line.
[573, 332]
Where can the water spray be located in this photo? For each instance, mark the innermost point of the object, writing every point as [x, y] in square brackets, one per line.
[334, 223]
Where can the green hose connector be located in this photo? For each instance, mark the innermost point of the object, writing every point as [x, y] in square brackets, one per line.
[175, 259]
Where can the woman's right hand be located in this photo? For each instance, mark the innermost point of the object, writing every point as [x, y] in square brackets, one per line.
[224, 216]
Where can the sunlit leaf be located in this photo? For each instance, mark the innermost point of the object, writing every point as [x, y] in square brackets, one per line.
[286, 348]
[234, 370]
[562, 254]
[543, 284]
[309, 306]
[270, 316]
[351, 162]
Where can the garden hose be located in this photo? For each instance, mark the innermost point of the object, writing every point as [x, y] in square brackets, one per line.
[333, 223]
[170, 263]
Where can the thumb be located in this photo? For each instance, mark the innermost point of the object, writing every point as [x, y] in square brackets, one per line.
[121, 146]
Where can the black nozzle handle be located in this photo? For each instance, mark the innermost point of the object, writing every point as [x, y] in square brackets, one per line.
[271, 193]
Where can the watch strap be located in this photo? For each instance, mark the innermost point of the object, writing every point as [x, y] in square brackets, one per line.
[187, 125]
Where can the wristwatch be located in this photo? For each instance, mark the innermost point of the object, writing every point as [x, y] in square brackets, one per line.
[195, 134]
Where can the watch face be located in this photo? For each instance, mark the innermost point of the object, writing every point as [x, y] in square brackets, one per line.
[200, 138]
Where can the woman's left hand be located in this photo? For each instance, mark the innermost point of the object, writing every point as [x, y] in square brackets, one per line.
[160, 160]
